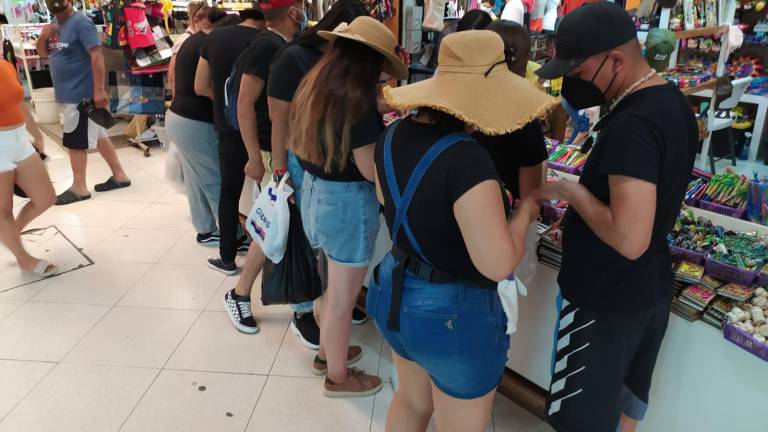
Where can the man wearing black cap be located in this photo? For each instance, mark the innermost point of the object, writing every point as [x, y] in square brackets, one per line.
[616, 283]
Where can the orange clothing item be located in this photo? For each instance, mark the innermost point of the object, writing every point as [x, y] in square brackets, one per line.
[11, 96]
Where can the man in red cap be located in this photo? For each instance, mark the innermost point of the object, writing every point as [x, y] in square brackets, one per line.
[284, 18]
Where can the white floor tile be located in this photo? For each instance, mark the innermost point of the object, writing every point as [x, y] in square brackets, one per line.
[46, 331]
[99, 213]
[215, 345]
[21, 293]
[297, 405]
[134, 337]
[386, 367]
[196, 401]
[174, 287]
[186, 251]
[76, 398]
[17, 379]
[173, 196]
[145, 188]
[162, 217]
[8, 307]
[86, 238]
[99, 284]
[142, 246]
[508, 417]
[217, 304]
[295, 360]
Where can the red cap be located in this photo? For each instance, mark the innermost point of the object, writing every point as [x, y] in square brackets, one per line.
[266, 5]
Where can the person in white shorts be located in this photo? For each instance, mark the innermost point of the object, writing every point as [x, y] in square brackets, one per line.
[71, 43]
[20, 164]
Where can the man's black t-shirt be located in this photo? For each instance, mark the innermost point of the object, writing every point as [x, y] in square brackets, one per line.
[512, 151]
[256, 61]
[187, 103]
[430, 215]
[365, 131]
[222, 47]
[652, 136]
[291, 66]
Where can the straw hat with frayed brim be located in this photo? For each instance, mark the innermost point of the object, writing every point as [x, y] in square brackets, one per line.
[473, 84]
[373, 34]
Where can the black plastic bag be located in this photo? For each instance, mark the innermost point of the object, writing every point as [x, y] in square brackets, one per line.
[295, 279]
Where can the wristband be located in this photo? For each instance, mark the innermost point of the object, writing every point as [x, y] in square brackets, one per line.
[280, 172]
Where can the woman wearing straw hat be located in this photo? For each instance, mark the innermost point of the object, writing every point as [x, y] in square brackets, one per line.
[433, 297]
[334, 126]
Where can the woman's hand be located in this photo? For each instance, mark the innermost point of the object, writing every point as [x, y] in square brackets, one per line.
[553, 190]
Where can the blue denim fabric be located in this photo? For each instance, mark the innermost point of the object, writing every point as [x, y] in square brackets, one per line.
[456, 332]
[341, 218]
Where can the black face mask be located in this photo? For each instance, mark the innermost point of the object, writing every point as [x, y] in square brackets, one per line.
[582, 94]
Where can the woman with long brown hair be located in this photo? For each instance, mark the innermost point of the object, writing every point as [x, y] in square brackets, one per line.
[334, 126]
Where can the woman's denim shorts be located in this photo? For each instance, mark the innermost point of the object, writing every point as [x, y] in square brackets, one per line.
[341, 218]
[456, 332]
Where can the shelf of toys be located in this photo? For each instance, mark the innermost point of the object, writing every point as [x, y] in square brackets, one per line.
[697, 364]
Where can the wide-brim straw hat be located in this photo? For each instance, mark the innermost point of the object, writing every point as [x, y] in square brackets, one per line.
[474, 84]
[374, 34]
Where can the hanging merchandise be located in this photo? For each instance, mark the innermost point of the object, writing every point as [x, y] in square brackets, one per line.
[114, 36]
[550, 15]
[382, 10]
[139, 31]
[8, 53]
[133, 94]
[434, 11]
[537, 15]
[167, 10]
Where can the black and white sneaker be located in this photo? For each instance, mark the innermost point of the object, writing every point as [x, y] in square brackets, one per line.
[210, 239]
[306, 329]
[359, 317]
[239, 311]
[243, 245]
[229, 269]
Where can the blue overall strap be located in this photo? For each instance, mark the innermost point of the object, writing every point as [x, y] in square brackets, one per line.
[401, 203]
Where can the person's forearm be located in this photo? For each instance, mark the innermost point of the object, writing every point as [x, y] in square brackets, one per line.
[249, 129]
[42, 47]
[97, 67]
[172, 76]
[530, 179]
[597, 216]
[279, 148]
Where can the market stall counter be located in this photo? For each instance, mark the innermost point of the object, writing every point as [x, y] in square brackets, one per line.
[702, 382]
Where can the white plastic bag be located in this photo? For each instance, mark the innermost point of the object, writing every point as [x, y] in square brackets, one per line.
[174, 172]
[434, 11]
[269, 219]
[509, 289]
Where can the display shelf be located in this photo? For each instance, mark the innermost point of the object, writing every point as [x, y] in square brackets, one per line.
[699, 32]
[709, 85]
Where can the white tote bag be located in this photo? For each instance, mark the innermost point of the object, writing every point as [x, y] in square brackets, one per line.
[269, 219]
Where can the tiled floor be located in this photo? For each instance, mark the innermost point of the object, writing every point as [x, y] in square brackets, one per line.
[140, 342]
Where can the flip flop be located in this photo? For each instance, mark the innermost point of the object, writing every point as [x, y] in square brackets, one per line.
[69, 197]
[43, 269]
[111, 184]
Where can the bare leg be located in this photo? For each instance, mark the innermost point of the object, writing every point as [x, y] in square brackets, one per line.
[107, 151]
[459, 415]
[32, 177]
[627, 424]
[411, 408]
[34, 129]
[254, 262]
[79, 160]
[344, 285]
[9, 233]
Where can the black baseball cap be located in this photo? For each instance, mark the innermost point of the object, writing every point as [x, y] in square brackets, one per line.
[590, 29]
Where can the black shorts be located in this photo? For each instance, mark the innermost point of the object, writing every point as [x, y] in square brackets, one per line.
[80, 132]
[602, 366]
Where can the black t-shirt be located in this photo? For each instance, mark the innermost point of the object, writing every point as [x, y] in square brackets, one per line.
[222, 47]
[365, 131]
[291, 65]
[430, 215]
[652, 136]
[512, 151]
[256, 61]
[187, 103]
